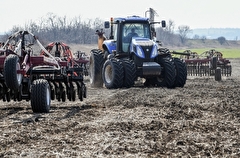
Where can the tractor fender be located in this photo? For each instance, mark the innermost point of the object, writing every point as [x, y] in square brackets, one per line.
[109, 45]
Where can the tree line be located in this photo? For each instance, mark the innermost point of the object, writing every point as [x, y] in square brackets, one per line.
[54, 28]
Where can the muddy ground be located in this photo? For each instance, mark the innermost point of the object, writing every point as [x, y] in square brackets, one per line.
[200, 120]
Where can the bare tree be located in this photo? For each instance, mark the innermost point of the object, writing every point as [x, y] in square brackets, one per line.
[221, 40]
[196, 36]
[87, 31]
[203, 38]
[183, 32]
[32, 27]
[166, 35]
[170, 26]
[97, 23]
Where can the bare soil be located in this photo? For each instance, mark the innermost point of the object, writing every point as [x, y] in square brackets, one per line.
[200, 120]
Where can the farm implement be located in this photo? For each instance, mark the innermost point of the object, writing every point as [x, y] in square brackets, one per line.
[209, 63]
[39, 77]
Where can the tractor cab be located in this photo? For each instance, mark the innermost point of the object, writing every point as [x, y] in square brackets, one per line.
[126, 30]
[133, 31]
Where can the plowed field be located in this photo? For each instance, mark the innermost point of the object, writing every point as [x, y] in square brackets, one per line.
[200, 120]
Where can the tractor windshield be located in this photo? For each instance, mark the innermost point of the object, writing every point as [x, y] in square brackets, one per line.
[134, 30]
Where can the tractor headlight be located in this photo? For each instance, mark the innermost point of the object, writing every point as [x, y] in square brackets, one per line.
[154, 52]
[140, 52]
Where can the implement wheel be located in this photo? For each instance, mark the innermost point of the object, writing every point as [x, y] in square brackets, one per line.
[11, 66]
[218, 74]
[214, 62]
[40, 96]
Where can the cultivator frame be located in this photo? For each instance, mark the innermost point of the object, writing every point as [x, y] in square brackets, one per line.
[39, 78]
[78, 59]
[206, 63]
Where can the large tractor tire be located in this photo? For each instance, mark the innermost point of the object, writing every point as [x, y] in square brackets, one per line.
[95, 68]
[112, 74]
[168, 74]
[129, 73]
[12, 79]
[40, 96]
[181, 72]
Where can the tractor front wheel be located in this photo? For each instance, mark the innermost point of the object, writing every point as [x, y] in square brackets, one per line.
[129, 73]
[112, 74]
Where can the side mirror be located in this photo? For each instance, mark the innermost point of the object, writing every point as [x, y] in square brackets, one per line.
[163, 23]
[106, 24]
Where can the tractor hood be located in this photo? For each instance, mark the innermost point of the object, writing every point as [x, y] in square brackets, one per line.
[144, 47]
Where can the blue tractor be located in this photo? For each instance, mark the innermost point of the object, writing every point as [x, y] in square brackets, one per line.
[132, 52]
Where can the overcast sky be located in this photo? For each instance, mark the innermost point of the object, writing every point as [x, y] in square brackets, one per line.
[193, 13]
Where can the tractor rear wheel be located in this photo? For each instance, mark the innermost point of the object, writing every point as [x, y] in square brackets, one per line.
[11, 66]
[181, 72]
[112, 74]
[41, 96]
[95, 68]
[168, 74]
[129, 73]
